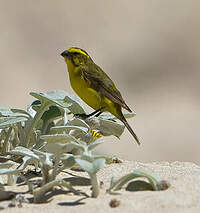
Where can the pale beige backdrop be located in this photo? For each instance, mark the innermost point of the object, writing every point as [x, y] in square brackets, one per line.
[151, 50]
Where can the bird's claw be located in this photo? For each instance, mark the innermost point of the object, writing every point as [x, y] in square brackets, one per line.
[81, 116]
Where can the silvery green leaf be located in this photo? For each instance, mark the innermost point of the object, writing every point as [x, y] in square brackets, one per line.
[1, 184]
[4, 111]
[85, 165]
[12, 179]
[98, 164]
[77, 106]
[33, 108]
[9, 171]
[21, 112]
[6, 165]
[152, 177]
[45, 158]
[106, 127]
[68, 162]
[8, 121]
[87, 156]
[94, 156]
[27, 161]
[44, 154]
[90, 167]
[129, 114]
[53, 112]
[20, 150]
[59, 129]
[59, 148]
[77, 122]
[53, 148]
[48, 186]
[109, 116]
[52, 97]
[94, 144]
[7, 112]
[58, 138]
[138, 173]
[78, 145]
[3, 108]
[11, 114]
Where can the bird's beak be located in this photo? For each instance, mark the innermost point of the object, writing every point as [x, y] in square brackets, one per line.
[65, 54]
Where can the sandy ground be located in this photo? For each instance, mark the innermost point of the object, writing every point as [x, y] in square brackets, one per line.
[182, 196]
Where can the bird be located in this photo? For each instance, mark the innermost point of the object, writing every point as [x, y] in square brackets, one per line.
[94, 86]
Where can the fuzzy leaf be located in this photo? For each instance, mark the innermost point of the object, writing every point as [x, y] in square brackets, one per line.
[59, 129]
[77, 107]
[53, 112]
[68, 162]
[94, 144]
[9, 171]
[45, 158]
[21, 112]
[58, 138]
[91, 167]
[77, 122]
[20, 150]
[109, 116]
[106, 127]
[7, 112]
[52, 97]
[153, 179]
[8, 121]
[28, 161]
[62, 147]
[6, 165]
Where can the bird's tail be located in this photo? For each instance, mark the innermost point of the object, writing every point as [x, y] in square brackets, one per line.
[123, 119]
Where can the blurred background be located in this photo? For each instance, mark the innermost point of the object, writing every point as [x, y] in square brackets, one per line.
[150, 49]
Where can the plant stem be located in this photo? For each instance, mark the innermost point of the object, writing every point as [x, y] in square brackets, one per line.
[95, 185]
[5, 145]
[29, 184]
[17, 142]
[2, 136]
[21, 135]
[55, 169]
[34, 122]
[45, 175]
[39, 193]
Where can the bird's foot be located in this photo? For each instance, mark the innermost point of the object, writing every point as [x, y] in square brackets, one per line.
[82, 116]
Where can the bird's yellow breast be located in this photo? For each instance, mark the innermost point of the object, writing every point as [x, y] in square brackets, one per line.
[82, 88]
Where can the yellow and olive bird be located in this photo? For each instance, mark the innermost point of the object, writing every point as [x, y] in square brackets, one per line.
[94, 86]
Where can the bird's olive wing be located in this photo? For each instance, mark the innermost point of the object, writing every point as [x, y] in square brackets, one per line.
[101, 82]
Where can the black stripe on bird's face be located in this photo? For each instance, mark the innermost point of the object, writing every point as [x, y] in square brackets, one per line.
[76, 55]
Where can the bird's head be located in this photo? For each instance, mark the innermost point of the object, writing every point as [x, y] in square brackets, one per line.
[76, 57]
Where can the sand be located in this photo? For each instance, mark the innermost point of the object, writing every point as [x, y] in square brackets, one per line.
[182, 196]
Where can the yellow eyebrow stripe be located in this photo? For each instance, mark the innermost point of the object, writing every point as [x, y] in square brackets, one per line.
[72, 50]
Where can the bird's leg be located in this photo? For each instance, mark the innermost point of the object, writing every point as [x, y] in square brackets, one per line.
[84, 116]
[96, 112]
[97, 115]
